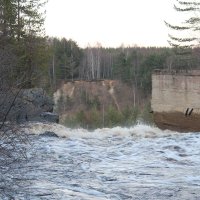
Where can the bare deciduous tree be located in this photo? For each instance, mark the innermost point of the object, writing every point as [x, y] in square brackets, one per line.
[11, 139]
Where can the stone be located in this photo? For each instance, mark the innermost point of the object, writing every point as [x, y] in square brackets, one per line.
[49, 134]
[30, 105]
[50, 117]
[39, 98]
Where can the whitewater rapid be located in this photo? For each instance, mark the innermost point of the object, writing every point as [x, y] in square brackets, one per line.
[140, 162]
[138, 131]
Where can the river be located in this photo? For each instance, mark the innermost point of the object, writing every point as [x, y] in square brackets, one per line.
[140, 162]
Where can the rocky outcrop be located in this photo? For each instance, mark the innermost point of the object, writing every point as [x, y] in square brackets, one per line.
[27, 105]
[38, 98]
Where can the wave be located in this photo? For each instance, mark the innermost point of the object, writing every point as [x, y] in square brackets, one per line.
[137, 131]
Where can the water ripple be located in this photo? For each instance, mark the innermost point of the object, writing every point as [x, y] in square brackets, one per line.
[123, 163]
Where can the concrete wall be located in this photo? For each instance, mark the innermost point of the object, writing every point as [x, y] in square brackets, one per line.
[175, 92]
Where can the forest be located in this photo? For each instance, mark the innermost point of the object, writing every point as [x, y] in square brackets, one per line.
[30, 58]
[67, 61]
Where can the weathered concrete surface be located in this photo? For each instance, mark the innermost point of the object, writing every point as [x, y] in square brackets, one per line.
[176, 100]
[176, 121]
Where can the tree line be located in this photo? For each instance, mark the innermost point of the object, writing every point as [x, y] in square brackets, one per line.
[133, 65]
[31, 58]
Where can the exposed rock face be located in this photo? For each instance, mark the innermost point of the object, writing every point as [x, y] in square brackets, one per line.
[176, 100]
[38, 98]
[73, 97]
[30, 105]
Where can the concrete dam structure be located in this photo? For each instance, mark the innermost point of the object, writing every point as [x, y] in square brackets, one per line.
[176, 100]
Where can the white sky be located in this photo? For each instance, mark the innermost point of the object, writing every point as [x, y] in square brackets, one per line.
[110, 22]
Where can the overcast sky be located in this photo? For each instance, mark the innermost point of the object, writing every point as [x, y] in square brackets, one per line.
[110, 22]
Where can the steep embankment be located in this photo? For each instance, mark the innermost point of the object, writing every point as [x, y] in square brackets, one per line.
[92, 98]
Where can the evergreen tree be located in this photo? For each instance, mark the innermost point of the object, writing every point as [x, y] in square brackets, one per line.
[151, 62]
[188, 31]
[21, 26]
[66, 56]
[186, 35]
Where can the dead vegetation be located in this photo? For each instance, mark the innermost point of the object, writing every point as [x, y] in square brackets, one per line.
[12, 148]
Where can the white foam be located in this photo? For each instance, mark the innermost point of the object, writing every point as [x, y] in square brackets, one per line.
[138, 131]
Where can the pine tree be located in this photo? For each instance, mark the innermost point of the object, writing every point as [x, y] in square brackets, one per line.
[188, 31]
[67, 57]
[21, 25]
[29, 34]
[186, 35]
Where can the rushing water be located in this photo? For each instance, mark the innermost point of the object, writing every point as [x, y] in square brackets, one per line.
[140, 162]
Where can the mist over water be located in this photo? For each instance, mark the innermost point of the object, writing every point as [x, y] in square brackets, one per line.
[140, 162]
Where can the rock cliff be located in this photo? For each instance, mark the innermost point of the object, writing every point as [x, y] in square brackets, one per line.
[27, 105]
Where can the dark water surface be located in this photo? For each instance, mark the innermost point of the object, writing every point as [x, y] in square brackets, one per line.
[141, 162]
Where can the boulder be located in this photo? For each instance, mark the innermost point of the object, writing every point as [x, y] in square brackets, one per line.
[29, 105]
[38, 98]
[49, 134]
[50, 117]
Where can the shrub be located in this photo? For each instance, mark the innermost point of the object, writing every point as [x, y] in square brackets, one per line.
[113, 117]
